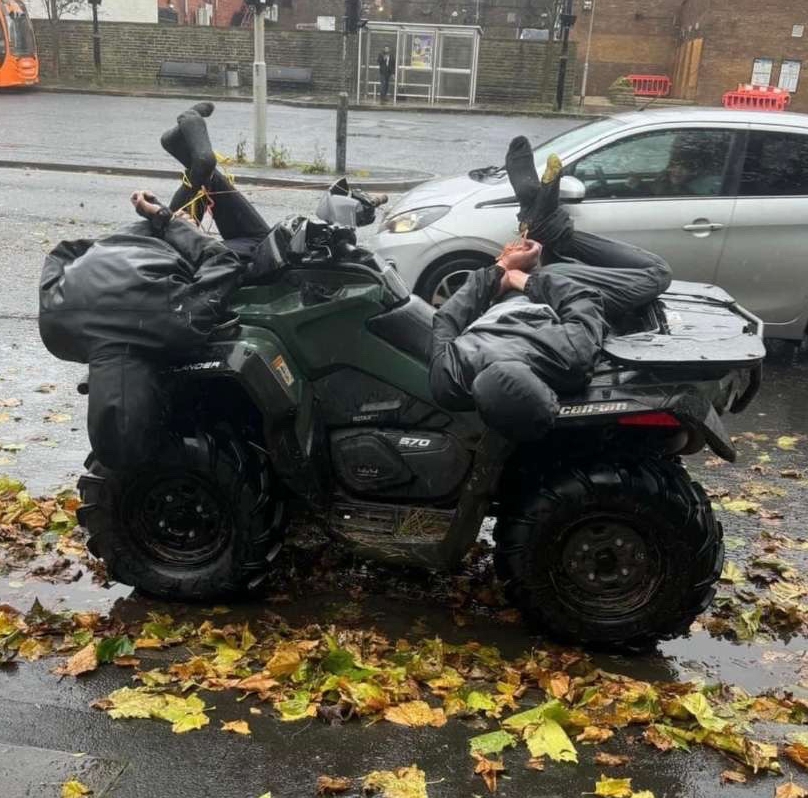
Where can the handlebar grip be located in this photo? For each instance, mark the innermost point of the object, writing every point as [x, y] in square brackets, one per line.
[378, 199]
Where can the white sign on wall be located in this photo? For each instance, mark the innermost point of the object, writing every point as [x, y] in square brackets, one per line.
[798, 31]
[762, 72]
[326, 23]
[790, 75]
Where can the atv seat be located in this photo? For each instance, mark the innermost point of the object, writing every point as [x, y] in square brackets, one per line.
[407, 327]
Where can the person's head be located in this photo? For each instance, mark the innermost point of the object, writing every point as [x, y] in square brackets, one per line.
[387, 49]
[680, 171]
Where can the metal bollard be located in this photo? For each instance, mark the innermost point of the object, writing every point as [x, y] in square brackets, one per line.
[342, 132]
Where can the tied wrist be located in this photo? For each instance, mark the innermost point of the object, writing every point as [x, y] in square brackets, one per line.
[160, 221]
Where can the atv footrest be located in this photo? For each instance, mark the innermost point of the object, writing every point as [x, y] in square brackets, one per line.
[392, 532]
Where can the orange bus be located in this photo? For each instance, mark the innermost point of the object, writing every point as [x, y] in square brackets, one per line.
[19, 64]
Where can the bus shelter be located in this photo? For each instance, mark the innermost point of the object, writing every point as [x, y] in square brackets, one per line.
[433, 63]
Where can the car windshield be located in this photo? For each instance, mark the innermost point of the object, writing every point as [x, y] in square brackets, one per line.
[572, 139]
[562, 144]
[20, 33]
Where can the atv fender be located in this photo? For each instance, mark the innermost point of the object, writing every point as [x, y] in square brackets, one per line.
[271, 379]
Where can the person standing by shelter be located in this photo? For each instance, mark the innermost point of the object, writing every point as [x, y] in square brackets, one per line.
[387, 67]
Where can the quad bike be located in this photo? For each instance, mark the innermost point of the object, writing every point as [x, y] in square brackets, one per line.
[318, 399]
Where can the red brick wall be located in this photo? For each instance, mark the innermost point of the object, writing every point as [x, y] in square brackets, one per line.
[738, 31]
[628, 36]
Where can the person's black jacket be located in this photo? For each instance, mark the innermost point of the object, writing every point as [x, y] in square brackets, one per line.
[385, 70]
[556, 329]
[162, 292]
[128, 304]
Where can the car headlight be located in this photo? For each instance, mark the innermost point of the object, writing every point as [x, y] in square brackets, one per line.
[410, 221]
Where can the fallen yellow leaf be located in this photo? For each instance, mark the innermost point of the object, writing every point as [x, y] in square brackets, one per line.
[594, 734]
[613, 788]
[332, 785]
[790, 790]
[488, 770]
[415, 714]
[75, 789]
[83, 661]
[402, 783]
[236, 726]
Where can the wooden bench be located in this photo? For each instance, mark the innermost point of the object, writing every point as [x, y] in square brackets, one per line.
[193, 71]
[300, 76]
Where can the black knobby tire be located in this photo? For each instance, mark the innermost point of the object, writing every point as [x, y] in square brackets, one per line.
[448, 274]
[202, 521]
[619, 554]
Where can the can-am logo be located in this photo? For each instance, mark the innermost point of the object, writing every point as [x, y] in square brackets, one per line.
[415, 443]
[596, 409]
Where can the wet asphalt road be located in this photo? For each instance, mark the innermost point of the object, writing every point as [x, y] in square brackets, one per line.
[124, 131]
[43, 720]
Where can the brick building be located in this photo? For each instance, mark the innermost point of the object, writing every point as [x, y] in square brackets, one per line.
[706, 46]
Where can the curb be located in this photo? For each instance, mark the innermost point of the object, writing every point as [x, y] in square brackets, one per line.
[325, 104]
[369, 184]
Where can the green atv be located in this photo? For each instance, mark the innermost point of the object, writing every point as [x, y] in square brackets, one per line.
[318, 399]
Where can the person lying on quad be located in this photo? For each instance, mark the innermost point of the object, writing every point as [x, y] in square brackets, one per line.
[532, 325]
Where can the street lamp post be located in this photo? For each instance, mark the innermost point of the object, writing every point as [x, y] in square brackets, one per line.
[96, 38]
[259, 85]
[585, 77]
[567, 21]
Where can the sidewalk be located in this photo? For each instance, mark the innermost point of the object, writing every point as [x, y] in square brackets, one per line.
[371, 179]
[391, 153]
[309, 100]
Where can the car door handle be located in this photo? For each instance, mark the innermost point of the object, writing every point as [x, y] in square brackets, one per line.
[703, 227]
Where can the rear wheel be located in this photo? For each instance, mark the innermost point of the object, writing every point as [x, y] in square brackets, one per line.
[441, 282]
[203, 520]
[617, 554]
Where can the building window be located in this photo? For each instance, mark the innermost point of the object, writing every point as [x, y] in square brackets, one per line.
[762, 72]
[776, 165]
[790, 75]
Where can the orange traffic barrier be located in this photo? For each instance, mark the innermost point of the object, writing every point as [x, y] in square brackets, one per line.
[757, 98]
[650, 85]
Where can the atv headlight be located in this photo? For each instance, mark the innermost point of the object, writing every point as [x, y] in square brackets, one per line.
[417, 219]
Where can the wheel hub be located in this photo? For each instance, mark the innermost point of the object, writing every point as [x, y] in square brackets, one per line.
[605, 555]
[180, 519]
[447, 287]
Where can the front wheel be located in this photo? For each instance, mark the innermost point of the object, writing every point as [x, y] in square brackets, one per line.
[440, 283]
[617, 554]
[203, 520]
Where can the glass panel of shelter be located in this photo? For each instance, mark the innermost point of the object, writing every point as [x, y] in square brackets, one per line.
[455, 66]
[431, 63]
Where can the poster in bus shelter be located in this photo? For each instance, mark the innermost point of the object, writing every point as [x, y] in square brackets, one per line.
[421, 54]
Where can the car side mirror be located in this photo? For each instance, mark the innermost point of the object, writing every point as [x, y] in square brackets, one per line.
[571, 190]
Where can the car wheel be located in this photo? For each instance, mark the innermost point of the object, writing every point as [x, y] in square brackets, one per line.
[440, 282]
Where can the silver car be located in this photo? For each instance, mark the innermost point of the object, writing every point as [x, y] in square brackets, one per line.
[722, 195]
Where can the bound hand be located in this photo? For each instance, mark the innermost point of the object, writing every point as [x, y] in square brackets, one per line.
[523, 256]
[146, 204]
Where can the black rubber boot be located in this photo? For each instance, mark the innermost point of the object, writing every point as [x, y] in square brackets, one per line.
[173, 141]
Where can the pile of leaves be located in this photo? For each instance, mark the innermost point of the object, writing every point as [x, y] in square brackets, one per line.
[763, 594]
[38, 529]
[550, 701]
